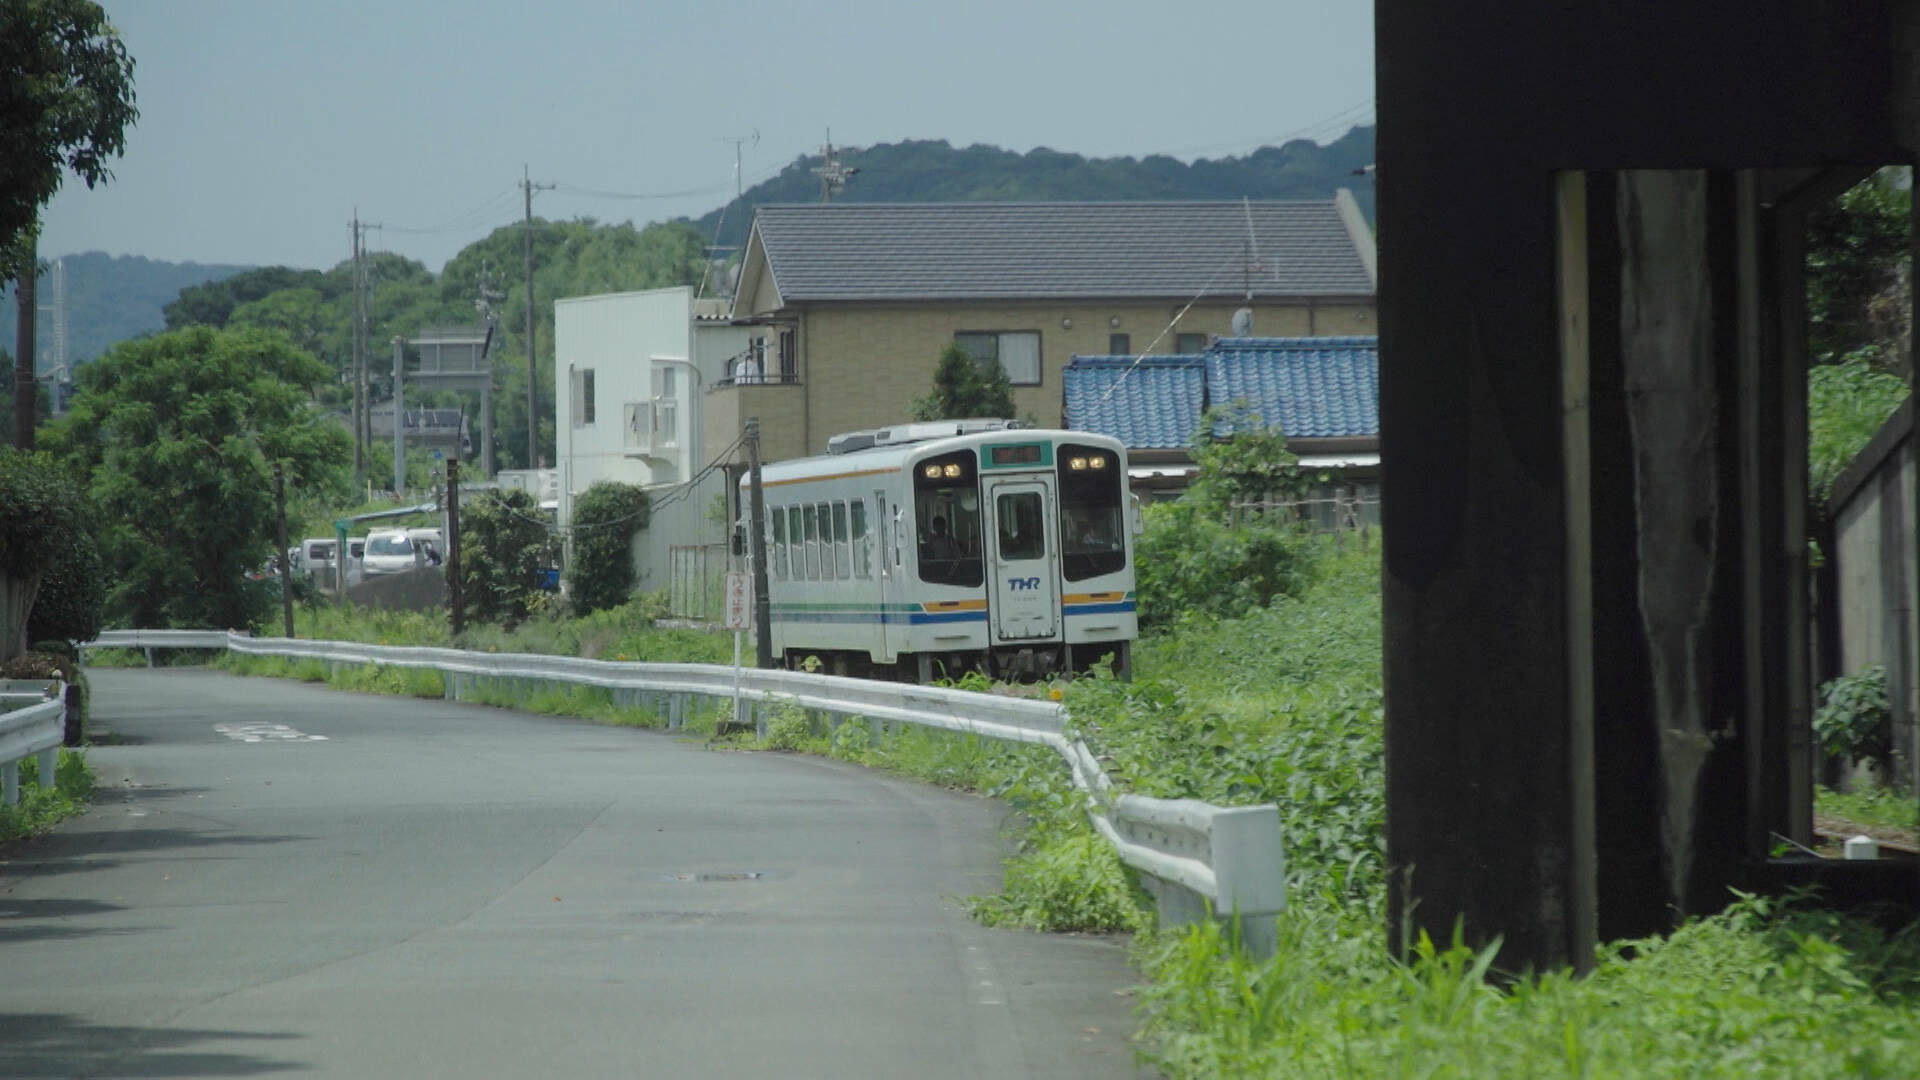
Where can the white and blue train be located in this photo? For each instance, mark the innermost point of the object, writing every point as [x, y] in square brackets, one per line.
[928, 550]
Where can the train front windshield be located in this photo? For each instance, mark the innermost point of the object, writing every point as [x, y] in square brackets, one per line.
[1092, 519]
[946, 511]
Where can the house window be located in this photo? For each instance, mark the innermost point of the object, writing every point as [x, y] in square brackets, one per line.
[666, 406]
[789, 356]
[1017, 350]
[1189, 343]
[1119, 345]
[582, 397]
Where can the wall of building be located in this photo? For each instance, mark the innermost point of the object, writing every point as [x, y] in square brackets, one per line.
[861, 366]
[1874, 557]
[615, 336]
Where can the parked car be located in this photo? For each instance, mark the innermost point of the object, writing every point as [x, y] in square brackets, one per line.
[389, 551]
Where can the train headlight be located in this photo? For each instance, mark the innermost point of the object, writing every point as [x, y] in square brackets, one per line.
[931, 472]
[952, 472]
[1099, 462]
[1077, 464]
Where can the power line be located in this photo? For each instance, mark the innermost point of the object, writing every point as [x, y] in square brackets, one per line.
[465, 220]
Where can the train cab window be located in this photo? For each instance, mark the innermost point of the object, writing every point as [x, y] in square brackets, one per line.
[1092, 511]
[862, 551]
[946, 519]
[777, 547]
[842, 544]
[811, 517]
[1021, 526]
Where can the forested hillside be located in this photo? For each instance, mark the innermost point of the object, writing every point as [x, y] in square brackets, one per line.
[109, 298]
[934, 171]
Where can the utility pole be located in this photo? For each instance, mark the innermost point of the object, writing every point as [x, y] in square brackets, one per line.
[359, 373]
[25, 405]
[757, 550]
[456, 607]
[362, 361]
[528, 187]
[280, 532]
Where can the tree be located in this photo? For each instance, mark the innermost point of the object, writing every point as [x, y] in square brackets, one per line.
[503, 546]
[44, 519]
[606, 518]
[66, 100]
[1857, 250]
[177, 432]
[964, 388]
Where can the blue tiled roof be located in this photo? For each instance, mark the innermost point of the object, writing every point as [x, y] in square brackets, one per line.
[1150, 404]
[1325, 387]
[1312, 387]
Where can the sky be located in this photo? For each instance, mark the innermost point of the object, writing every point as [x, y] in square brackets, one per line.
[266, 125]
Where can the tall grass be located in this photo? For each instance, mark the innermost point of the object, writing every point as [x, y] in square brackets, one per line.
[42, 805]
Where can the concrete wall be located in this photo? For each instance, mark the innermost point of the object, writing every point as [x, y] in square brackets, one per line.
[1874, 558]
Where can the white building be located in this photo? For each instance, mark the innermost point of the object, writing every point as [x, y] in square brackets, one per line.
[632, 370]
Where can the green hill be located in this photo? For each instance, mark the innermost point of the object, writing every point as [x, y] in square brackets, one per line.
[109, 298]
[934, 171]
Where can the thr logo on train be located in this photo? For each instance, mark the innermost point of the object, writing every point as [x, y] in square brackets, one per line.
[1019, 583]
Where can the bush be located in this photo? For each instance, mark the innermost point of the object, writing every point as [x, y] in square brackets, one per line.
[1188, 563]
[605, 520]
[504, 543]
[1855, 718]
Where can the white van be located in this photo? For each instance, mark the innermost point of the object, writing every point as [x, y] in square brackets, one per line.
[389, 551]
[314, 553]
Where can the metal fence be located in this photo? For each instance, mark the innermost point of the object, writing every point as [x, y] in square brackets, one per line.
[697, 575]
[33, 721]
[1196, 858]
[1343, 512]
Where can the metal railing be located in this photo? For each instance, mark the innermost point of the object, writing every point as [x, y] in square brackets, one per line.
[1197, 858]
[33, 721]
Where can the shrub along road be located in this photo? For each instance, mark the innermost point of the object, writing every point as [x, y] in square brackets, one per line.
[277, 877]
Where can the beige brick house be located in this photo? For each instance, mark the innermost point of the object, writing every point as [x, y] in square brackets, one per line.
[852, 303]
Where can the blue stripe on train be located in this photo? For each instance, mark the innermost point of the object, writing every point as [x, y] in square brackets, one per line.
[1100, 609]
[912, 618]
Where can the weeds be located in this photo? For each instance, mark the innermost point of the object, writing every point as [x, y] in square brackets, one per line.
[42, 806]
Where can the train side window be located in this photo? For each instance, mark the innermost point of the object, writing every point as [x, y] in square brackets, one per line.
[862, 553]
[810, 515]
[826, 542]
[842, 547]
[778, 548]
[796, 555]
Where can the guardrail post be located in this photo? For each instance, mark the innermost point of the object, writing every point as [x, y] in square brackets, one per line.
[10, 783]
[1249, 867]
[149, 652]
[760, 710]
[49, 766]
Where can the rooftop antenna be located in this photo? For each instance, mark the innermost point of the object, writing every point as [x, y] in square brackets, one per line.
[833, 175]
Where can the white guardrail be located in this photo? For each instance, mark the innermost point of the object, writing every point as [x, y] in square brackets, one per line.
[1196, 858]
[33, 721]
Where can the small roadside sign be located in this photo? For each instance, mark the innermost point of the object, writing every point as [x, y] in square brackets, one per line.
[739, 601]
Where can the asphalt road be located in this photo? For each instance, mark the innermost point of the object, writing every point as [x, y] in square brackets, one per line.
[279, 878]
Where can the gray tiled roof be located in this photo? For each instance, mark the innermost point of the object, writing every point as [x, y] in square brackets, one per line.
[991, 251]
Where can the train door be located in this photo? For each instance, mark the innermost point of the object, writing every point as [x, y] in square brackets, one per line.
[1025, 580]
[893, 585]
